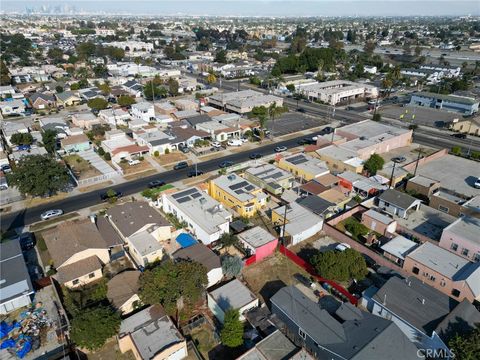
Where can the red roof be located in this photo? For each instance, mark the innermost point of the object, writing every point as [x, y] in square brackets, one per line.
[131, 149]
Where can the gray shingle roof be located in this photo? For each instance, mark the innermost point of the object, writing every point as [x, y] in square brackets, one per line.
[398, 199]
[201, 254]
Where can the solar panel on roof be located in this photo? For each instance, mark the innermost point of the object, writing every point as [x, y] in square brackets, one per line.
[276, 175]
[184, 193]
[239, 185]
[298, 160]
[196, 195]
[249, 187]
[240, 191]
[184, 199]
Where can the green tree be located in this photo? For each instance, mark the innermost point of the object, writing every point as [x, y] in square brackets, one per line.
[374, 163]
[85, 50]
[355, 228]
[456, 150]
[4, 74]
[39, 175]
[466, 347]
[22, 139]
[59, 89]
[97, 103]
[291, 88]
[49, 140]
[107, 156]
[221, 57]
[56, 54]
[167, 283]
[152, 90]
[91, 328]
[231, 265]
[377, 117]
[232, 331]
[105, 88]
[340, 265]
[125, 100]
[228, 239]
[173, 87]
[369, 47]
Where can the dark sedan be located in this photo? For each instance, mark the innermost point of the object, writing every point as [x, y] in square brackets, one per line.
[254, 156]
[194, 173]
[155, 183]
[225, 164]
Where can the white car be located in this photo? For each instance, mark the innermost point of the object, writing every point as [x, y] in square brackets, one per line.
[244, 140]
[235, 142]
[51, 214]
[133, 162]
[216, 144]
[477, 183]
[342, 247]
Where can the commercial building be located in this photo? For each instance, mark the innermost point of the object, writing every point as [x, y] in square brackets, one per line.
[445, 271]
[151, 335]
[232, 295]
[461, 104]
[238, 194]
[303, 166]
[337, 91]
[205, 217]
[270, 178]
[243, 101]
[463, 238]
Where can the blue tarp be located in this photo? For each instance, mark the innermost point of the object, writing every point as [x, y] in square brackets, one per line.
[9, 343]
[23, 351]
[5, 329]
[186, 240]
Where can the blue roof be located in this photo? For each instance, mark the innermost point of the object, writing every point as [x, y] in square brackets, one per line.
[186, 240]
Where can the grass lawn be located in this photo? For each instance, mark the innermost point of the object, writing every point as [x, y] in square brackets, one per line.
[153, 193]
[173, 157]
[134, 169]
[204, 340]
[81, 167]
[270, 275]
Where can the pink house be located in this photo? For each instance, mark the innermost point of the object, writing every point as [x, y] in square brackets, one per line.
[463, 238]
[259, 241]
[379, 222]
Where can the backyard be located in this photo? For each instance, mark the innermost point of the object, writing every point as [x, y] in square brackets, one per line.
[81, 168]
[204, 339]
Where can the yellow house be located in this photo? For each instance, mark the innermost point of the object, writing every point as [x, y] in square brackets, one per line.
[238, 194]
[303, 166]
[338, 159]
[151, 335]
[467, 126]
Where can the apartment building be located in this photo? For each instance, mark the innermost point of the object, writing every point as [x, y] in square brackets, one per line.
[463, 238]
[337, 91]
[269, 177]
[238, 194]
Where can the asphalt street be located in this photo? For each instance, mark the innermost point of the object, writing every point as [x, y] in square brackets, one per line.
[74, 203]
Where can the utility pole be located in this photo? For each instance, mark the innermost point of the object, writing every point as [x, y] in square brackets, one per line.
[420, 152]
[391, 176]
[471, 138]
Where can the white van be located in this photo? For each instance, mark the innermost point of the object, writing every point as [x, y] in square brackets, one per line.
[235, 142]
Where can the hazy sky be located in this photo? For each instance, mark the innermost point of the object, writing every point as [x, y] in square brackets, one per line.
[259, 7]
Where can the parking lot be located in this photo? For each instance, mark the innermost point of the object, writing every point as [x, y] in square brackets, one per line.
[293, 122]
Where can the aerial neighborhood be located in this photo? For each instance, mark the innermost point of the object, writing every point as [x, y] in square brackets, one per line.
[238, 187]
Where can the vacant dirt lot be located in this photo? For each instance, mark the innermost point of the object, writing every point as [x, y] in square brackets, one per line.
[270, 275]
[81, 167]
[173, 157]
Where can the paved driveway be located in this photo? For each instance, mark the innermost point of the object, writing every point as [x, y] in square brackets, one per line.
[293, 122]
[97, 162]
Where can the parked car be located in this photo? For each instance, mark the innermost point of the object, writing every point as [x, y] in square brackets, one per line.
[477, 183]
[49, 214]
[280, 149]
[115, 194]
[244, 140]
[133, 162]
[194, 173]
[399, 159]
[304, 280]
[27, 241]
[459, 136]
[184, 149]
[181, 165]
[301, 110]
[254, 156]
[155, 183]
[234, 142]
[342, 247]
[327, 130]
[225, 164]
[216, 144]
[6, 168]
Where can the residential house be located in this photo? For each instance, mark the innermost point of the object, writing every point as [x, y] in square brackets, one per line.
[466, 126]
[397, 248]
[57, 124]
[232, 295]
[85, 120]
[12, 107]
[67, 98]
[75, 143]
[115, 117]
[238, 194]
[151, 335]
[133, 88]
[378, 222]
[154, 139]
[205, 217]
[184, 114]
[317, 205]
[12, 127]
[217, 131]
[186, 136]
[143, 111]
[303, 166]
[122, 291]
[463, 238]
[397, 203]
[16, 290]
[202, 255]
[419, 311]
[341, 332]
[359, 184]
[142, 228]
[445, 271]
[120, 146]
[42, 101]
[300, 223]
[6, 91]
[258, 242]
[270, 178]
[185, 104]
[78, 252]
[165, 108]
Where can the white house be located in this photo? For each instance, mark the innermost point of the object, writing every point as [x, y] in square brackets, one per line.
[13, 107]
[206, 217]
[143, 111]
[115, 116]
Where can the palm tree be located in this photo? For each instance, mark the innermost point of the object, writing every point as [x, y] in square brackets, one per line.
[387, 83]
[273, 111]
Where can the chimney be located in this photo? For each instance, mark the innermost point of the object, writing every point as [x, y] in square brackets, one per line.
[423, 301]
